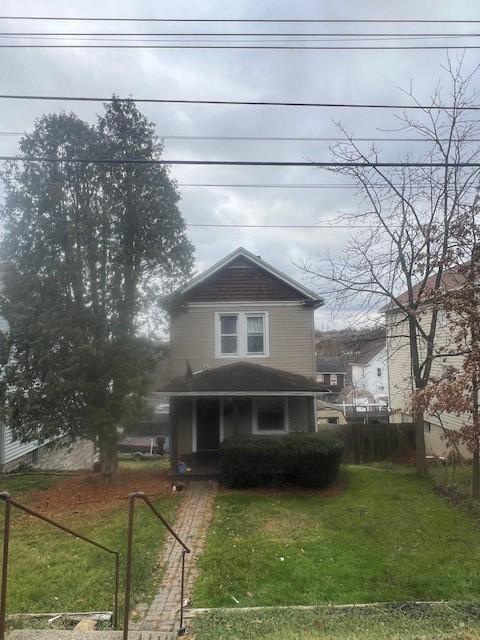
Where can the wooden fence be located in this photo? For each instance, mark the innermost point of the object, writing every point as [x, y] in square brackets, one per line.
[375, 442]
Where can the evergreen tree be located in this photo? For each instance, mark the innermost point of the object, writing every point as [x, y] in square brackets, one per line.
[89, 248]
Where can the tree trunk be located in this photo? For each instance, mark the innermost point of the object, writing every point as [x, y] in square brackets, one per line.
[420, 459]
[476, 473]
[109, 460]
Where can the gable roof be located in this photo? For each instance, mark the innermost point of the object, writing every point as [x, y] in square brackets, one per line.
[367, 349]
[331, 365]
[244, 377]
[302, 293]
[452, 278]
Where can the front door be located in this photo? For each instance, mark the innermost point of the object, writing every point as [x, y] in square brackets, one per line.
[208, 424]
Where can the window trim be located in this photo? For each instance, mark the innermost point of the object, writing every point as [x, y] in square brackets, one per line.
[242, 334]
[270, 432]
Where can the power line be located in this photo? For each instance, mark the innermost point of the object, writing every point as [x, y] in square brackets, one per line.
[239, 163]
[307, 185]
[247, 103]
[245, 20]
[72, 34]
[280, 138]
[243, 46]
[284, 226]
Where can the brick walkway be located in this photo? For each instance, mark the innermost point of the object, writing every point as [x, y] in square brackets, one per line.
[191, 525]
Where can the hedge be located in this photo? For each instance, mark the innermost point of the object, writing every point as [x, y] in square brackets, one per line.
[308, 459]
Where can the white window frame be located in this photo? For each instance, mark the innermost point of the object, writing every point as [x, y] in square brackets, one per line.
[271, 432]
[242, 342]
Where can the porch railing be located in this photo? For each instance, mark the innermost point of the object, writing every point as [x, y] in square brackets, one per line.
[9, 503]
[128, 575]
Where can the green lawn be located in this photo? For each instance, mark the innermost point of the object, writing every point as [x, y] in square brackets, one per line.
[387, 537]
[51, 571]
[457, 622]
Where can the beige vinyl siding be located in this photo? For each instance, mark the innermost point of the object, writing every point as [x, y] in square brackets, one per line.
[291, 331]
[401, 385]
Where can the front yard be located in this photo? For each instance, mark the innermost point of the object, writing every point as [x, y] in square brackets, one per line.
[51, 571]
[386, 538]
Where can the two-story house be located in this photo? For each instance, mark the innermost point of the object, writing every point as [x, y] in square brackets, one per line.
[400, 376]
[369, 368]
[241, 356]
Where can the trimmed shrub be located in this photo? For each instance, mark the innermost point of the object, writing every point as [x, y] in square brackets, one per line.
[250, 461]
[313, 459]
[309, 459]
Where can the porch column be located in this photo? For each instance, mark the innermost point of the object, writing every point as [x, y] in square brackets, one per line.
[173, 419]
[312, 420]
[236, 421]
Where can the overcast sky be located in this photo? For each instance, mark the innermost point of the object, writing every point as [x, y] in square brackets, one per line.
[314, 76]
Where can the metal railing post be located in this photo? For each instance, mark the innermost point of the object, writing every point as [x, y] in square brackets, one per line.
[6, 541]
[181, 629]
[117, 585]
[128, 572]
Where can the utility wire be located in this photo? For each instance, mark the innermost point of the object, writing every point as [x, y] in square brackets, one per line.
[280, 138]
[239, 163]
[245, 20]
[305, 186]
[239, 33]
[285, 226]
[247, 103]
[243, 46]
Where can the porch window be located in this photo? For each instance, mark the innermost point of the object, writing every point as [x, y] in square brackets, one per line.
[270, 415]
[241, 334]
[228, 334]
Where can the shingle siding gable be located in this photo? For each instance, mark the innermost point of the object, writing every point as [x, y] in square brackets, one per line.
[241, 280]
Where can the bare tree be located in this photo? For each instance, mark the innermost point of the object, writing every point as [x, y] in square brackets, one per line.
[405, 247]
[456, 389]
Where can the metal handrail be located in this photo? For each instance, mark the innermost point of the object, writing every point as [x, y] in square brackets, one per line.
[9, 502]
[128, 576]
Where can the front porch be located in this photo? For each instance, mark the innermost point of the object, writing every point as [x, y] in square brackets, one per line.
[233, 400]
[202, 465]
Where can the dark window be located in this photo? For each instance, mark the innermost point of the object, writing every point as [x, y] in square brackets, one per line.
[270, 414]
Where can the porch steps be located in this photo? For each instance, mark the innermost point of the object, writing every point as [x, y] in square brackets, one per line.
[62, 634]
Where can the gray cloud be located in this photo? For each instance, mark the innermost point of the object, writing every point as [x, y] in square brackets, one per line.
[277, 75]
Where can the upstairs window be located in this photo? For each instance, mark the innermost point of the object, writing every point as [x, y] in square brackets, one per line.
[229, 334]
[379, 372]
[255, 334]
[242, 334]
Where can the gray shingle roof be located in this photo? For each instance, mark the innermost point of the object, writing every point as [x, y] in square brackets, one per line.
[331, 365]
[243, 376]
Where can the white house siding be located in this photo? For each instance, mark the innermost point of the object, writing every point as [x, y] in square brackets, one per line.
[400, 379]
[365, 375]
[291, 329]
[13, 449]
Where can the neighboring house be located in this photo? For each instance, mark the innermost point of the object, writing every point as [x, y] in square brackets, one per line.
[14, 453]
[241, 356]
[329, 414]
[401, 384]
[369, 369]
[331, 371]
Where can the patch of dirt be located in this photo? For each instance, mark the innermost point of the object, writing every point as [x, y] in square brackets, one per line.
[92, 491]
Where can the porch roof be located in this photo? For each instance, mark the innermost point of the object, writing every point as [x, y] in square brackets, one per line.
[243, 378]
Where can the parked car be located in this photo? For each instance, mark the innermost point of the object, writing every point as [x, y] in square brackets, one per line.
[140, 447]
